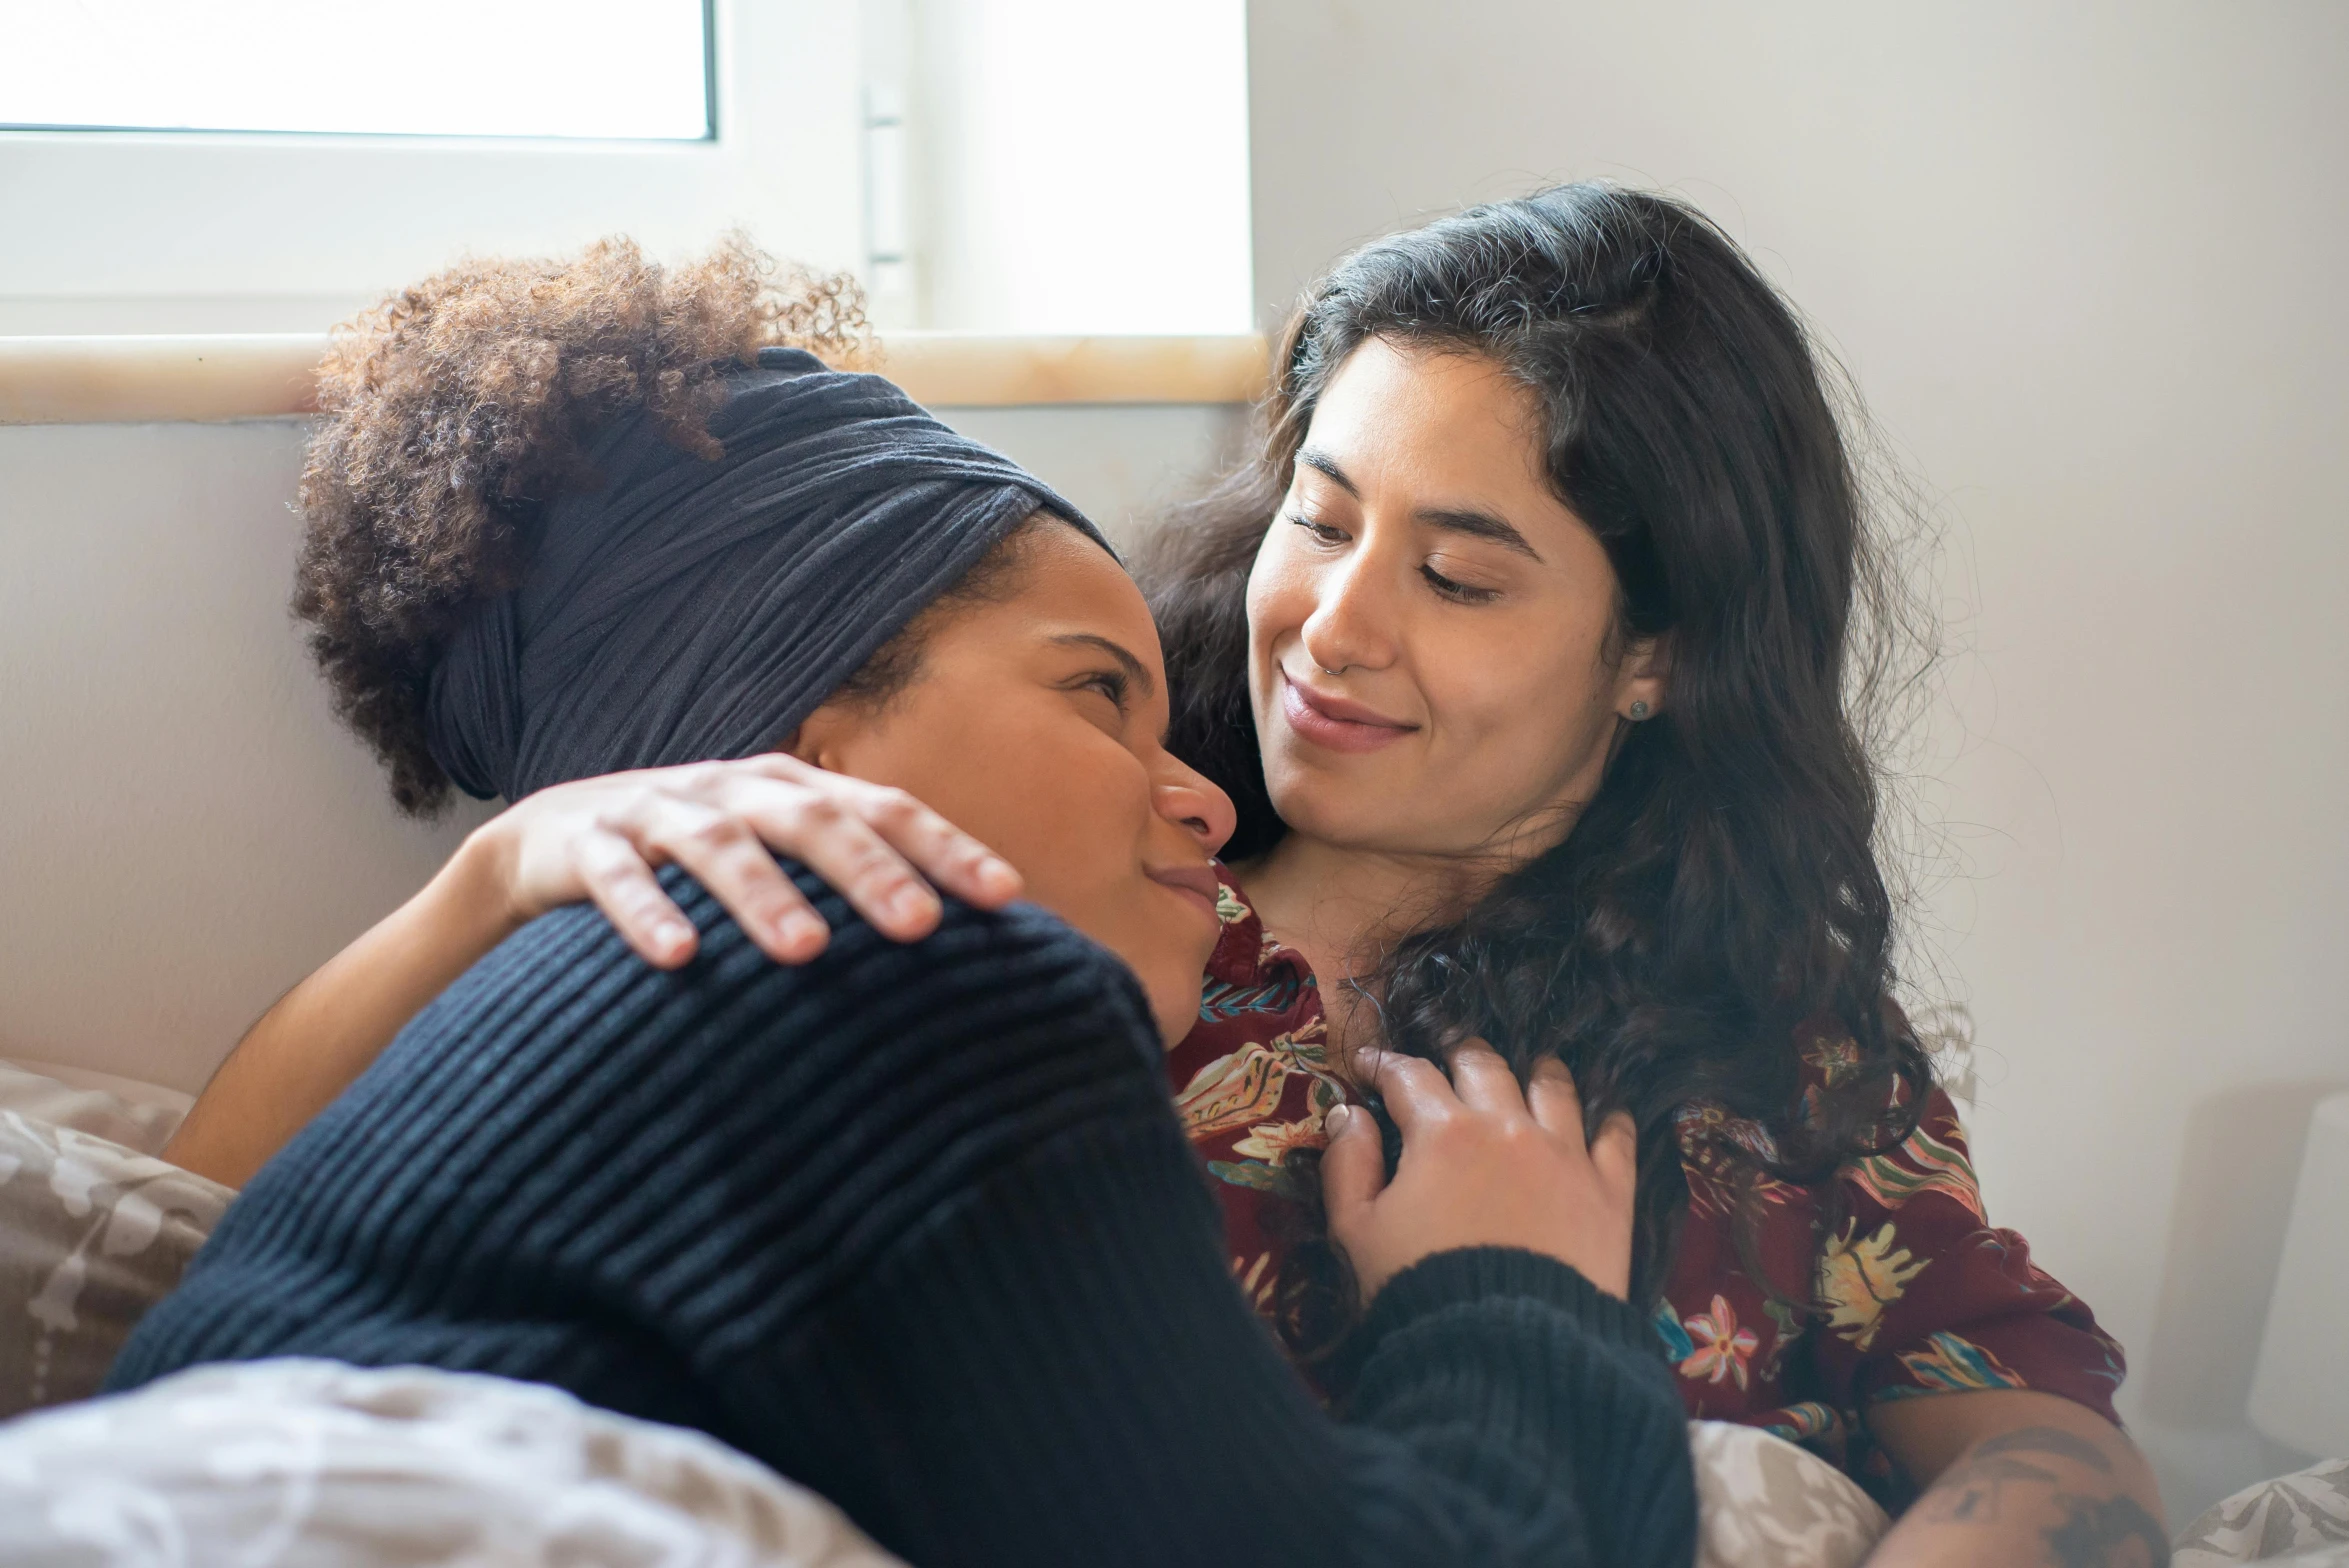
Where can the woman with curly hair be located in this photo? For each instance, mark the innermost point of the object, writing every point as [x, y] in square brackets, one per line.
[914, 1224]
[1536, 649]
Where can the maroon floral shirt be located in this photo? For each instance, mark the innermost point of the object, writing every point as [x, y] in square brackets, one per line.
[1915, 1292]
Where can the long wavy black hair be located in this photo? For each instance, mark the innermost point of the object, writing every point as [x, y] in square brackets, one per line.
[1719, 900]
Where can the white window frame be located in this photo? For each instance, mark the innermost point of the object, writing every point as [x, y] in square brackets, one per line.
[194, 231]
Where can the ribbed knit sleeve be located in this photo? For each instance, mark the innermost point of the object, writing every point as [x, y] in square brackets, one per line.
[1512, 1368]
[916, 1226]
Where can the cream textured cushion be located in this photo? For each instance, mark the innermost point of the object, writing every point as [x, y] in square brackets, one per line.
[93, 1232]
[1763, 1502]
[313, 1464]
[2295, 1521]
[139, 1116]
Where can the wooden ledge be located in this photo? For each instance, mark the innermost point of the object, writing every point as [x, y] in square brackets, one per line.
[145, 380]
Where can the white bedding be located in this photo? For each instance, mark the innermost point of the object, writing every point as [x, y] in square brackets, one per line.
[306, 1464]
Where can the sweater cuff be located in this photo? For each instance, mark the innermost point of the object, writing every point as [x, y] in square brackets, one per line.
[1472, 1274]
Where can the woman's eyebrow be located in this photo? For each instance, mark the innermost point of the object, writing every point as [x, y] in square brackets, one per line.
[1136, 670]
[1477, 525]
[1327, 466]
[1459, 520]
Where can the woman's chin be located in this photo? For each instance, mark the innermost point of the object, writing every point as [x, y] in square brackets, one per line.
[1173, 991]
[1174, 1002]
[1347, 817]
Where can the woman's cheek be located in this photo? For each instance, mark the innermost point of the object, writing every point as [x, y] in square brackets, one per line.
[1279, 593]
[1524, 729]
[1095, 811]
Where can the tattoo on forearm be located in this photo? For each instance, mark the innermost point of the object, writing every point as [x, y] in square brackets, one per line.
[1972, 1492]
[2109, 1532]
[2091, 1530]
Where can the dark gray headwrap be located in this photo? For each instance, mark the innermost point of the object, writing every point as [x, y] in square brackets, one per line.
[692, 609]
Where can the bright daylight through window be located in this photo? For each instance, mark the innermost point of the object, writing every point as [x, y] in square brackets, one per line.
[636, 69]
[999, 166]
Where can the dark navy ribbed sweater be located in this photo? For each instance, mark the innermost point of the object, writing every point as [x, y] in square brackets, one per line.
[916, 1226]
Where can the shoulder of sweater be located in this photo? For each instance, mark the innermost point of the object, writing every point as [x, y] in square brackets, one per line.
[965, 934]
[1021, 922]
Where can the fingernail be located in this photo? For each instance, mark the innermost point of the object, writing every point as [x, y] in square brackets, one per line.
[912, 904]
[997, 874]
[1335, 1122]
[799, 930]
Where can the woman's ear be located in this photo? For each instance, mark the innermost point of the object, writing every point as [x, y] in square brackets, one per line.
[1643, 677]
[822, 737]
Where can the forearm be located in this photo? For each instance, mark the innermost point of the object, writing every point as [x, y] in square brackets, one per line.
[1510, 1375]
[326, 1031]
[2033, 1479]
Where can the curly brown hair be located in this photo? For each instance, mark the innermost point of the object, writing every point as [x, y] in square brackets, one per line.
[455, 411]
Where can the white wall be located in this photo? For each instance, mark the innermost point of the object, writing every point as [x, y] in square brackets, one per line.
[186, 831]
[2085, 261]
[1078, 166]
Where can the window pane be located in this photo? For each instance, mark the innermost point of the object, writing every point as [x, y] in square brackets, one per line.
[1117, 194]
[566, 68]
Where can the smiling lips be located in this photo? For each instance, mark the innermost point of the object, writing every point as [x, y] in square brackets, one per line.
[1336, 723]
[1197, 883]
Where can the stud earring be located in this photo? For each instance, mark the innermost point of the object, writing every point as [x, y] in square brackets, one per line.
[1639, 711]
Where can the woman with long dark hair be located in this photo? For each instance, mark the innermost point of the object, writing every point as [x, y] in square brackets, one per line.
[1536, 647]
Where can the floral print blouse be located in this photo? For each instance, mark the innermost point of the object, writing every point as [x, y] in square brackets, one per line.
[1914, 1291]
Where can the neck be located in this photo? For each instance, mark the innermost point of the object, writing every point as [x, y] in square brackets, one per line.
[1344, 908]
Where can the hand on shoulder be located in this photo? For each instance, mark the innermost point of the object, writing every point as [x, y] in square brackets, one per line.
[602, 839]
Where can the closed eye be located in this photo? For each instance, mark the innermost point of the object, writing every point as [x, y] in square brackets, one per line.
[1114, 684]
[1458, 593]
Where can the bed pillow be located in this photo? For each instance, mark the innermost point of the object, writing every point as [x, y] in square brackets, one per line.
[139, 1116]
[93, 1232]
[1762, 1502]
[2295, 1521]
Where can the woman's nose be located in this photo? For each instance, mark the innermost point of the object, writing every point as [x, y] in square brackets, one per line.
[1190, 800]
[1349, 625]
